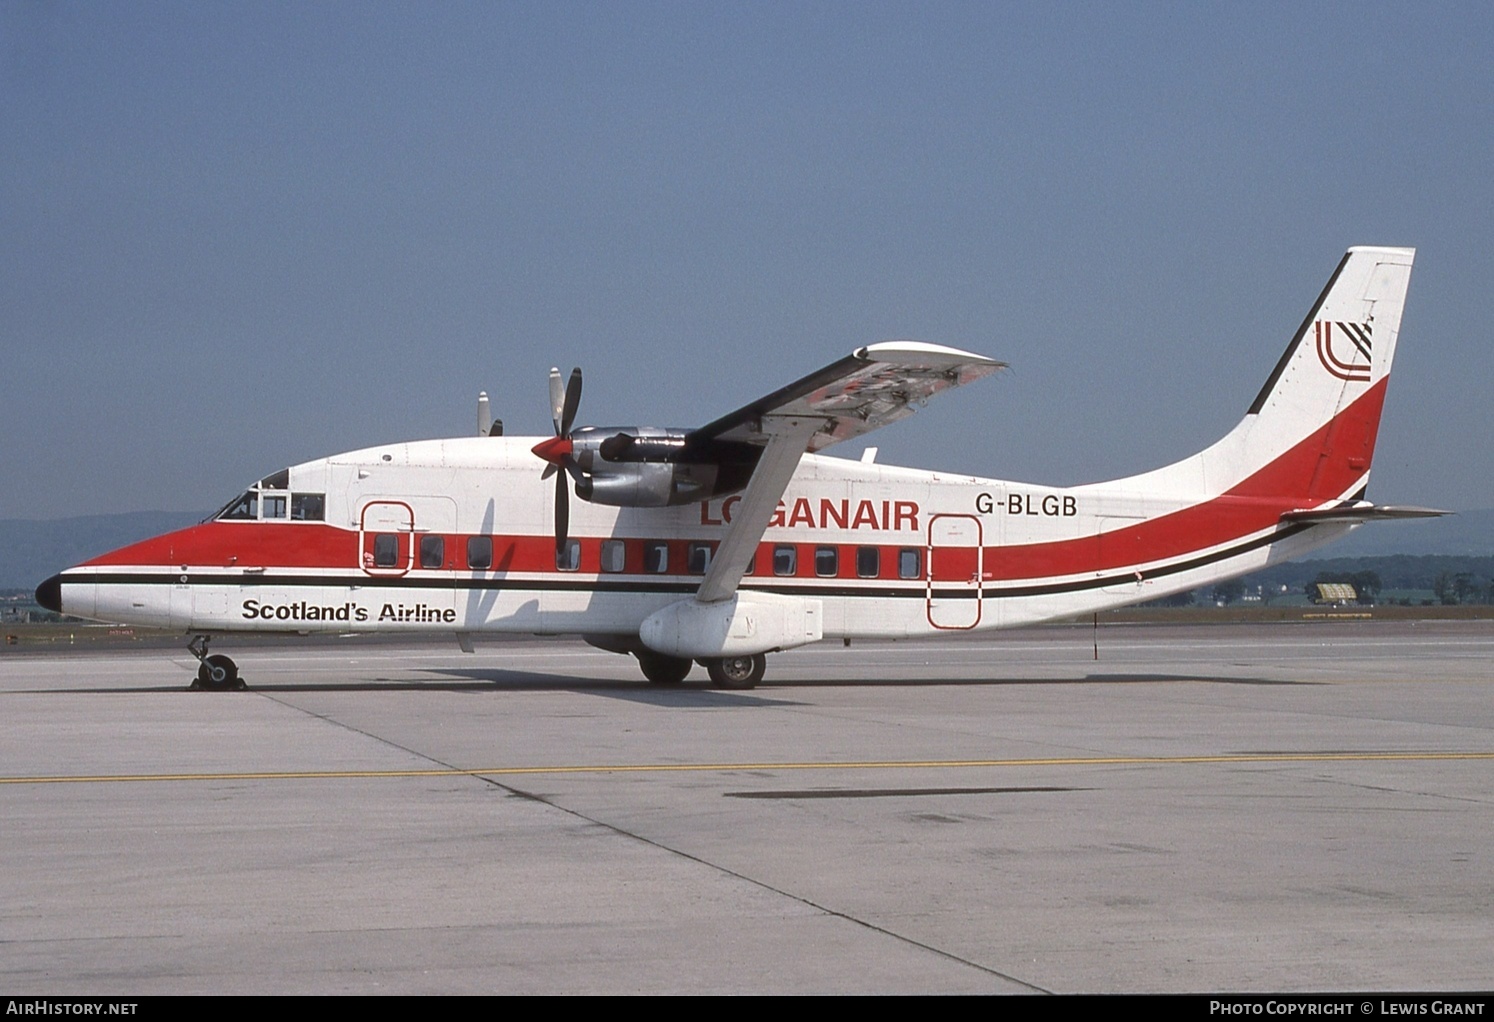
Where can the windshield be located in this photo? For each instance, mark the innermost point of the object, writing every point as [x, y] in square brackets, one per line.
[244, 506]
[276, 505]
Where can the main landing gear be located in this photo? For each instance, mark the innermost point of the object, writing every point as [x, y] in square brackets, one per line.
[663, 670]
[216, 673]
[736, 672]
[739, 672]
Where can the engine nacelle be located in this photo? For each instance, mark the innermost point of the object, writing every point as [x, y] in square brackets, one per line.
[747, 624]
[651, 467]
[647, 485]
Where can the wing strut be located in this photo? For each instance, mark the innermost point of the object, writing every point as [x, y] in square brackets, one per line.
[788, 439]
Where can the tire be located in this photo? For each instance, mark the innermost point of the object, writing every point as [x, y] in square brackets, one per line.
[218, 673]
[663, 670]
[738, 672]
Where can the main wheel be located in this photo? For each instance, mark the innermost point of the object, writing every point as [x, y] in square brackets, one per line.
[663, 670]
[218, 673]
[738, 671]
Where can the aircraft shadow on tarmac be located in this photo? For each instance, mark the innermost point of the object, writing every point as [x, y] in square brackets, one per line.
[484, 681]
[528, 680]
[481, 682]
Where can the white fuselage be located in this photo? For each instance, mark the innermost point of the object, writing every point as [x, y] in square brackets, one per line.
[885, 552]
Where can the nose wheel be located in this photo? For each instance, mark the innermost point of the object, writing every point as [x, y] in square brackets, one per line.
[216, 673]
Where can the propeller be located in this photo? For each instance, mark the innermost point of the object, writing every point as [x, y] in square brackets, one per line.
[564, 401]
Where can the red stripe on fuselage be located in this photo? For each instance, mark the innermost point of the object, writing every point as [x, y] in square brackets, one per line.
[1325, 465]
[243, 545]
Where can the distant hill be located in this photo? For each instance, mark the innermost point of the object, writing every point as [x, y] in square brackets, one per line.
[30, 551]
[1396, 571]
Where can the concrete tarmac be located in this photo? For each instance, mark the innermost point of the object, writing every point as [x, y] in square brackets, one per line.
[1203, 808]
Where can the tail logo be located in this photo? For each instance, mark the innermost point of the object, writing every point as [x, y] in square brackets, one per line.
[1347, 355]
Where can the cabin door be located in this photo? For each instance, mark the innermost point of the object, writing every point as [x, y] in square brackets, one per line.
[955, 568]
[386, 529]
[413, 539]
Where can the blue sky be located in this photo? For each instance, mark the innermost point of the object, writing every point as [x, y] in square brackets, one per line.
[238, 236]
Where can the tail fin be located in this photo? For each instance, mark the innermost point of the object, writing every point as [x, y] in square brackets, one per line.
[1310, 433]
[1346, 343]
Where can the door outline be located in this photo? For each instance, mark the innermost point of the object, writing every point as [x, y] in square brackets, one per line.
[947, 613]
[402, 518]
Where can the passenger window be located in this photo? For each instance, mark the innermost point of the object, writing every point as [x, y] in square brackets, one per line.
[308, 507]
[868, 562]
[826, 561]
[614, 555]
[386, 551]
[569, 557]
[785, 560]
[909, 563]
[479, 552]
[656, 558]
[432, 551]
[273, 505]
[698, 559]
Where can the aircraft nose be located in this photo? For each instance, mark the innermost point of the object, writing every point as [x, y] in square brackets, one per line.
[49, 594]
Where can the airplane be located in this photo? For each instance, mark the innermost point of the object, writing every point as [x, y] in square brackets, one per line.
[720, 544]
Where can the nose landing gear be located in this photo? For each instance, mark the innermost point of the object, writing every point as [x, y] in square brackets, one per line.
[216, 673]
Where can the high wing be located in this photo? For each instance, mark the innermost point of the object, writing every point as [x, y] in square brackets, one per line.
[866, 390]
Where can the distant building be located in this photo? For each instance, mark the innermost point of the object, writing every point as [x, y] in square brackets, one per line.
[1333, 592]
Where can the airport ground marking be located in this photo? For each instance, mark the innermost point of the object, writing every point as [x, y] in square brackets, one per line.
[655, 768]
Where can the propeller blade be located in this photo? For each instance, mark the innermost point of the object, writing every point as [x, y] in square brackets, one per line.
[557, 450]
[562, 512]
[557, 398]
[572, 402]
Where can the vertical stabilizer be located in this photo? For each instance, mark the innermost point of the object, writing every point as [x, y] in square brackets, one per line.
[1347, 342]
[1310, 433]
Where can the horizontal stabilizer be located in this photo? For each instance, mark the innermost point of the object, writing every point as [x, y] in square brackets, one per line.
[1361, 511]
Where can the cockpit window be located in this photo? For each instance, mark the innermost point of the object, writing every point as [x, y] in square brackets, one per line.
[244, 507]
[308, 507]
[279, 481]
[252, 505]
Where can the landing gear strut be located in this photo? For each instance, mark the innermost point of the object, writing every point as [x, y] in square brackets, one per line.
[739, 672]
[217, 673]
